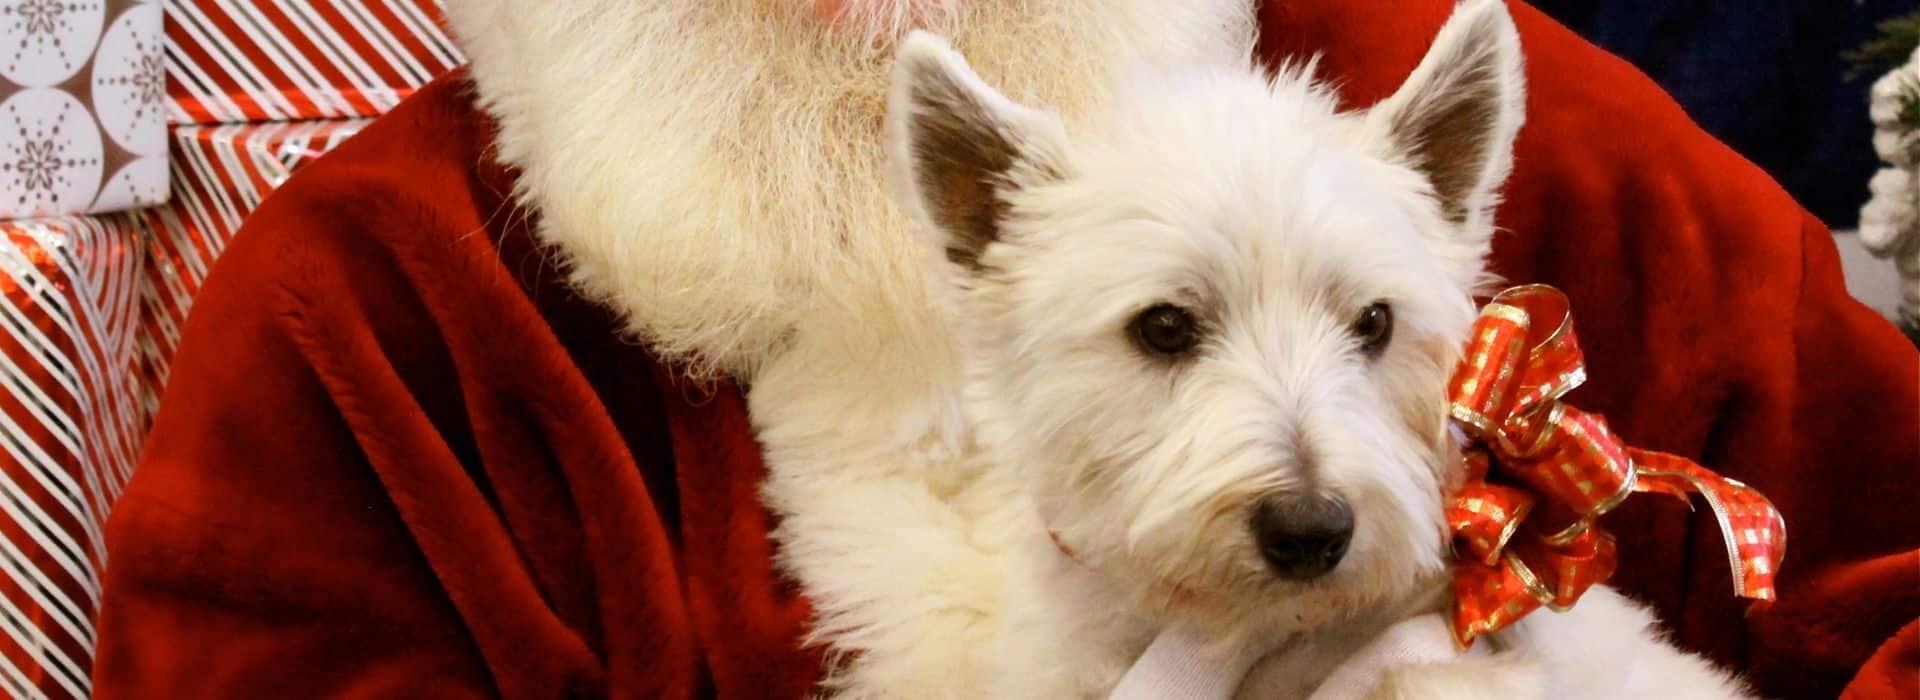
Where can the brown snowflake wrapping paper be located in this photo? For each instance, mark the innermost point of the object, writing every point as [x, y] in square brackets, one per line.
[83, 125]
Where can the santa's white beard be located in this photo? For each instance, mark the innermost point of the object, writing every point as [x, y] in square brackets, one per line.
[878, 19]
[713, 169]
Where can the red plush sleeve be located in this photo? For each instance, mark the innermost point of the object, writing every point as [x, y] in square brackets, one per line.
[1891, 673]
[1717, 326]
[255, 552]
[1854, 595]
[399, 458]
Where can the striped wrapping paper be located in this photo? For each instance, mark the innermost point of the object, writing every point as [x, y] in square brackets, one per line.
[254, 60]
[70, 424]
[221, 173]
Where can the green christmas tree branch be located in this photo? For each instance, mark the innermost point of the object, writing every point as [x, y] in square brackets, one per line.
[1893, 43]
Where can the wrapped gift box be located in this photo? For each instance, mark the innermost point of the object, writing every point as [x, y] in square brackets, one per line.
[300, 59]
[70, 424]
[82, 123]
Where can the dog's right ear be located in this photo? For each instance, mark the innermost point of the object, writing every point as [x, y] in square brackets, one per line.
[959, 147]
[1457, 115]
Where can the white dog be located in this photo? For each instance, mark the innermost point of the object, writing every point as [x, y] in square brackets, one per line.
[1207, 338]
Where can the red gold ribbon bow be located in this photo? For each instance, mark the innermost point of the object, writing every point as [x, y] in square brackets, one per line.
[1530, 540]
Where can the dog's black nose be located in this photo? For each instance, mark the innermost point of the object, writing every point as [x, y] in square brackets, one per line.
[1303, 537]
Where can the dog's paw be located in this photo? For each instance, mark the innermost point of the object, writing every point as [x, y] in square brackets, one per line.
[1417, 658]
[1503, 675]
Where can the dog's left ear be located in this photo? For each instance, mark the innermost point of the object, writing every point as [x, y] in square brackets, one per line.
[959, 147]
[1457, 115]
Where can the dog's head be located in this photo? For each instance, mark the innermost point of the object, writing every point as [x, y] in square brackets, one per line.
[1213, 325]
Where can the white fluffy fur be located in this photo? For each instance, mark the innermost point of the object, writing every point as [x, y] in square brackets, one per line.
[712, 168]
[715, 171]
[1276, 220]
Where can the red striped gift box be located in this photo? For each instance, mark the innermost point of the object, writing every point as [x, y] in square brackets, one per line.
[70, 423]
[279, 60]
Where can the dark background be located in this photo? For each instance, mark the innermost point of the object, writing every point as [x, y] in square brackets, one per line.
[1766, 76]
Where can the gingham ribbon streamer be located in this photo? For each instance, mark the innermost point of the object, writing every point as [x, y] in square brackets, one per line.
[1527, 538]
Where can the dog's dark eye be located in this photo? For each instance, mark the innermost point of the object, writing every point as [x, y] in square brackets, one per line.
[1374, 327]
[1164, 329]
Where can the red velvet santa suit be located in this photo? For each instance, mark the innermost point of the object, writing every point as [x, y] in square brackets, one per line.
[399, 456]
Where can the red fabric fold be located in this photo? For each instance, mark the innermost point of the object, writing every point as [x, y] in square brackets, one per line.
[400, 457]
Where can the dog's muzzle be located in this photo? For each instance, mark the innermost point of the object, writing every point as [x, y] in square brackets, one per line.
[1303, 536]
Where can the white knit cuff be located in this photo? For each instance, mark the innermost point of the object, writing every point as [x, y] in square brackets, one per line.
[1181, 665]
